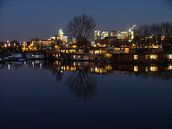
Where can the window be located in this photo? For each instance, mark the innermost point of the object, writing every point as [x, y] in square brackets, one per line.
[136, 57]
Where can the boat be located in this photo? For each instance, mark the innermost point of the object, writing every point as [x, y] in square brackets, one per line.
[37, 56]
[14, 57]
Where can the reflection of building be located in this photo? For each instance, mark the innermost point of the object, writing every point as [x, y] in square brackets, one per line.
[104, 69]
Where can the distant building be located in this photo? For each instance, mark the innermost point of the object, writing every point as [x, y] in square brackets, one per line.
[60, 36]
[104, 34]
[113, 34]
[131, 33]
[124, 35]
[97, 34]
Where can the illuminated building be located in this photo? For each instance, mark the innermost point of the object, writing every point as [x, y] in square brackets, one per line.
[104, 34]
[169, 56]
[97, 34]
[136, 68]
[131, 33]
[60, 36]
[136, 57]
[113, 34]
[61, 33]
[123, 35]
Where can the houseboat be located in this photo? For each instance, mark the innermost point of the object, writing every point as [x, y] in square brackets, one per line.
[75, 57]
[14, 57]
[34, 56]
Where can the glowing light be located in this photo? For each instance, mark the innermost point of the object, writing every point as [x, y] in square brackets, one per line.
[108, 67]
[108, 55]
[136, 68]
[153, 57]
[9, 67]
[147, 69]
[169, 56]
[169, 67]
[136, 57]
[153, 68]
[104, 34]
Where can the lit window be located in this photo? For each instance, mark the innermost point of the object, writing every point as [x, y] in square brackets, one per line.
[169, 67]
[136, 68]
[136, 57]
[153, 57]
[153, 68]
[169, 56]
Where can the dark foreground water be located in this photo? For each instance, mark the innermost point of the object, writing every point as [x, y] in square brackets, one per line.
[39, 95]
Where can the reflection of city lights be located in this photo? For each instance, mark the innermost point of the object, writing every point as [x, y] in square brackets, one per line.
[33, 64]
[40, 65]
[9, 67]
[108, 67]
[147, 69]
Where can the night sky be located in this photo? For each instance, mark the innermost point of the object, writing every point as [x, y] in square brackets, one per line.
[24, 19]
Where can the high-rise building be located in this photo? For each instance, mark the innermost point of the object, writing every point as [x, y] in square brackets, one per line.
[61, 34]
[104, 34]
[124, 35]
[113, 34]
[131, 33]
[97, 34]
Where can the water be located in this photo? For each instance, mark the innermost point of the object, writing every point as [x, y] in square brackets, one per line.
[84, 95]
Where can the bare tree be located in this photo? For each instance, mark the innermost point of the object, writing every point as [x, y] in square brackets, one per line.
[164, 28]
[81, 28]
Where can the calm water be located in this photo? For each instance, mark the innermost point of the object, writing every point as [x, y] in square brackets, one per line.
[84, 95]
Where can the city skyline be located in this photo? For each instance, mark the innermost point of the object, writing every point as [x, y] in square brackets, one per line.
[22, 20]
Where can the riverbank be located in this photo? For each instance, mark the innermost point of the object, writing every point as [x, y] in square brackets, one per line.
[148, 58]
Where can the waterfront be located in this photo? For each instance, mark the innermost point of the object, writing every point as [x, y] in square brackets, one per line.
[38, 94]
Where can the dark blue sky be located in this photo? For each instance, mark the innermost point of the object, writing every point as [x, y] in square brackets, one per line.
[24, 19]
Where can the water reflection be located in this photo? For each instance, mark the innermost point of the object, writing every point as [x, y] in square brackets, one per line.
[81, 79]
[82, 83]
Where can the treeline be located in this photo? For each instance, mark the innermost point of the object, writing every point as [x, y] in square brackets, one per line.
[164, 28]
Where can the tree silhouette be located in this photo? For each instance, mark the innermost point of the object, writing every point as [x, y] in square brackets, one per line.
[81, 28]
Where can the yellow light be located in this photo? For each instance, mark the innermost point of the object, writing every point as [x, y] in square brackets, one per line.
[97, 52]
[136, 57]
[108, 67]
[153, 68]
[108, 55]
[169, 67]
[136, 68]
[74, 46]
[153, 57]
[169, 56]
